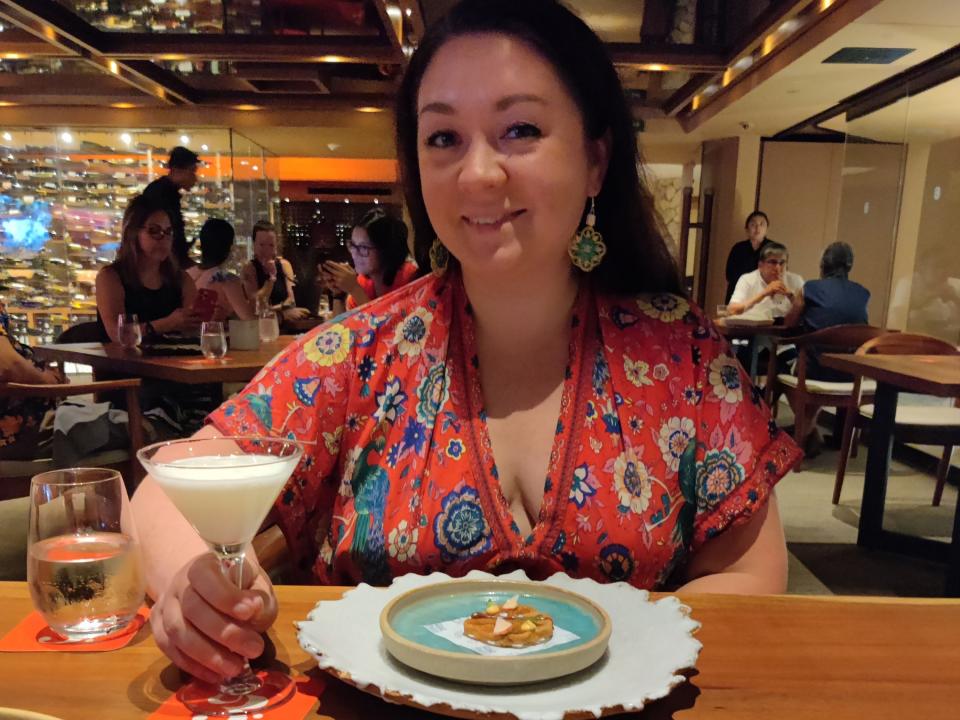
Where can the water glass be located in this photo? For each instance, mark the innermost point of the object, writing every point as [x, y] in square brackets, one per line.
[269, 326]
[128, 330]
[83, 561]
[213, 340]
[722, 311]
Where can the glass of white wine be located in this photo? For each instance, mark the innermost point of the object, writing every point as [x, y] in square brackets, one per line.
[225, 487]
[83, 562]
[213, 340]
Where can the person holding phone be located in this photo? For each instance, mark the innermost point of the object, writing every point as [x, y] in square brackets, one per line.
[145, 279]
[220, 293]
[378, 246]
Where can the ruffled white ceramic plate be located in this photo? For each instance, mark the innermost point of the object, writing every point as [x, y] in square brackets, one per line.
[650, 644]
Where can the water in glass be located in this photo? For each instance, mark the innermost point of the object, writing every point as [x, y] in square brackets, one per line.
[213, 341]
[128, 330]
[83, 562]
[269, 327]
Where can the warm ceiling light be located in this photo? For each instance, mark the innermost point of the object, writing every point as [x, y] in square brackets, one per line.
[185, 139]
[727, 77]
[172, 56]
[247, 107]
[49, 33]
[369, 109]
[204, 148]
[711, 89]
[654, 67]
[333, 59]
[7, 137]
[394, 12]
[7, 103]
[697, 102]
[125, 138]
[114, 67]
[66, 137]
[122, 105]
[769, 42]
[13, 56]
[743, 63]
[789, 26]
[825, 4]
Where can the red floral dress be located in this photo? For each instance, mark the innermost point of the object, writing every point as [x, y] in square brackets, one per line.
[661, 443]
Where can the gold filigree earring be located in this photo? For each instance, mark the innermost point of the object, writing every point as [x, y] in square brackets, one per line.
[587, 247]
[439, 257]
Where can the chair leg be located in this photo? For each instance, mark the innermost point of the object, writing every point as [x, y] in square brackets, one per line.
[943, 470]
[847, 439]
[800, 432]
[855, 442]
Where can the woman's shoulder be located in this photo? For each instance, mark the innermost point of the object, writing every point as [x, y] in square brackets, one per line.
[651, 317]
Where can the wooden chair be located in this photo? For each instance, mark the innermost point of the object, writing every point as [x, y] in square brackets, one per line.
[928, 425]
[15, 474]
[805, 393]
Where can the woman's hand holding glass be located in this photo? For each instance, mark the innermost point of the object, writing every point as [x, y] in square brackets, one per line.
[206, 625]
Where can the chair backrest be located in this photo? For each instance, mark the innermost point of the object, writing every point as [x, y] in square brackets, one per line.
[838, 338]
[83, 332]
[907, 344]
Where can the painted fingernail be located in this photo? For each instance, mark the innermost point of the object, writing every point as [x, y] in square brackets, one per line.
[252, 649]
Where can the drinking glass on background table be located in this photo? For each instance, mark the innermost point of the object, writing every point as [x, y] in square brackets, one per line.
[225, 487]
[83, 559]
[128, 330]
[269, 326]
[213, 340]
[722, 311]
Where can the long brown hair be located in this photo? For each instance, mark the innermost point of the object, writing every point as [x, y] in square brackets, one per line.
[127, 262]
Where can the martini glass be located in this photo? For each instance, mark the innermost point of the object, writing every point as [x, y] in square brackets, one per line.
[225, 487]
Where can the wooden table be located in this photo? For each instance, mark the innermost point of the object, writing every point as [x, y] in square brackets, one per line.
[757, 334]
[785, 657]
[937, 375]
[112, 358]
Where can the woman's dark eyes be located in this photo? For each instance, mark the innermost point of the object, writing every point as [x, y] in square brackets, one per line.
[522, 130]
[519, 131]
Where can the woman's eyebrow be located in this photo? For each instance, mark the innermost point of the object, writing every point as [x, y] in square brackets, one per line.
[501, 104]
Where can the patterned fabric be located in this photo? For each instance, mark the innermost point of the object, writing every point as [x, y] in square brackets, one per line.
[20, 416]
[406, 273]
[661, 443]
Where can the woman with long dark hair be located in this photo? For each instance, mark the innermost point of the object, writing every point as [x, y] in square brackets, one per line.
[144, 279]
[545, 399]
[378, 245]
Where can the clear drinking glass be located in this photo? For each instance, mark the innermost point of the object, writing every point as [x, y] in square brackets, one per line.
[83, 560]
[128, 329]
[225, 487]
[722, 311]
[269, 326]
[213, 340]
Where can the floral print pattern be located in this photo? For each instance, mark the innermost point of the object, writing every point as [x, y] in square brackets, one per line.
[659, 446]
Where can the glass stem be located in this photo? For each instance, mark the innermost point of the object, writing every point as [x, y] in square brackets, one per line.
[231, 562]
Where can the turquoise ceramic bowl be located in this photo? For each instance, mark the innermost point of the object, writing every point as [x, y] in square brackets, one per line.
[403, 624]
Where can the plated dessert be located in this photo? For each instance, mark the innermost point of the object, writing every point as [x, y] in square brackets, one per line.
[509, 625]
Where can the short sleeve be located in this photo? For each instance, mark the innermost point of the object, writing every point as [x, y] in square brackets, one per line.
[741, 290]
[741, 453]
[302, 394]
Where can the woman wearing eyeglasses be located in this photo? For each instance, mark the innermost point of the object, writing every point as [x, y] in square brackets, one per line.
[379, 249]
[145, 279]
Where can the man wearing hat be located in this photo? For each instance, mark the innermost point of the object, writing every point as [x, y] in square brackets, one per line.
[181, 175]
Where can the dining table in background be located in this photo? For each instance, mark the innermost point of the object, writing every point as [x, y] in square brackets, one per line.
[237, 366]
[937, 375]
[786, 657]
[761, 335]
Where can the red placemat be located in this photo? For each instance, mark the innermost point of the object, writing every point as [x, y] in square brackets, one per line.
[32, 634]
[308, 692]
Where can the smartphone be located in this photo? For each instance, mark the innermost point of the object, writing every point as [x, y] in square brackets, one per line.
[205, 304]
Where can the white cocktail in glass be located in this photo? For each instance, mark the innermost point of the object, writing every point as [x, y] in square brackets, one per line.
[225, 487]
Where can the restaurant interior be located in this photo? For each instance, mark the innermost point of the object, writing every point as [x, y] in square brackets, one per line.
[838, 119]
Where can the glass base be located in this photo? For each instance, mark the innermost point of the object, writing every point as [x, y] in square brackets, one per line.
[272, 689]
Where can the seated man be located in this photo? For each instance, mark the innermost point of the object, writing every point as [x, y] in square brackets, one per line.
[770, 289]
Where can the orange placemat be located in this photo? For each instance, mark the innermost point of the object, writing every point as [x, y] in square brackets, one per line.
[32, 634]
[309, 690]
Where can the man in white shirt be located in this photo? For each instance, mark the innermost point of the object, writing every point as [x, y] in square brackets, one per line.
[769, 288]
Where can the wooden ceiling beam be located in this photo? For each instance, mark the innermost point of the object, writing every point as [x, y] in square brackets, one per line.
[249, 48]
[55, 24]
[682, 97]
[391, 17]
[260, 100]
[669, 57]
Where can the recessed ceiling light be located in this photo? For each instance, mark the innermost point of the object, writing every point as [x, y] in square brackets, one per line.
[247, 107]
[7, 103]
[7, 136]
[185, 139]
[333, 146]
[204, 148]
[66, 137]
[743, 63]
[122, 105]
[789, 26]
[332, 59]
[369, 109]
[126, 139]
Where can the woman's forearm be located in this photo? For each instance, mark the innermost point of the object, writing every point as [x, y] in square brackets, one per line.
[735, 583]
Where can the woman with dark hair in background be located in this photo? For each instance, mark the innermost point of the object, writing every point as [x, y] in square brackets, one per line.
[545, 399]
[216, 241]
[745, 255]
[378, 245]
[145, 279]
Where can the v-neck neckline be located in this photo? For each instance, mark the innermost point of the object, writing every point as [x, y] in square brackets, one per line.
[559, 470]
